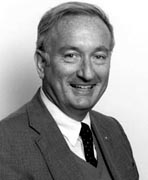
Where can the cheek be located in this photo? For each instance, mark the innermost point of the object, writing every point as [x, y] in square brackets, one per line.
[67, 69]
[59, 76]
[64, 71]
[102, 72]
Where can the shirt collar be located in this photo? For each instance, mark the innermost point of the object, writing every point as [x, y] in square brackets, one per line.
[69, 127]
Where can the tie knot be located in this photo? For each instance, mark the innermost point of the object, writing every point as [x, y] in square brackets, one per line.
[85, 132]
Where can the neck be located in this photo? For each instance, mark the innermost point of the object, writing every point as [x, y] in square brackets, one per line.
[76, 114]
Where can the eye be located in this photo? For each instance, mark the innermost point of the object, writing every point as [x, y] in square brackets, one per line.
[71, 57]
[100, 58]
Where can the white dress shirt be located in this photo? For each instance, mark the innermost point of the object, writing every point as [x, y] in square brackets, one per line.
[69, 127]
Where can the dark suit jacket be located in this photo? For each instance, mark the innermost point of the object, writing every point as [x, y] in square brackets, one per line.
[33, 148]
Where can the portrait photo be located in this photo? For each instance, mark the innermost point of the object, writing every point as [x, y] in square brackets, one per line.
[67, 67]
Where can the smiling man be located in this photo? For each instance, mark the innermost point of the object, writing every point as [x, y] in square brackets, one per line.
[78, 57]
[57, 135]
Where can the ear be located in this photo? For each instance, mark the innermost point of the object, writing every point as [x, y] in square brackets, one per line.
[41, 60]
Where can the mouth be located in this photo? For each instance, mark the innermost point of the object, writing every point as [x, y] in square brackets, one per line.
[83, 86]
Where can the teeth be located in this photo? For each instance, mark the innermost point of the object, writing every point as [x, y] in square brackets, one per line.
[82, 87]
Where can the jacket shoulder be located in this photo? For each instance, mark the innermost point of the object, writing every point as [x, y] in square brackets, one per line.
[16, 119]
[104, 120]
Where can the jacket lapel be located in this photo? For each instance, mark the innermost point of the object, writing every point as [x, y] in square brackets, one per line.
[59, 160]
[103, 139]
[115, 147]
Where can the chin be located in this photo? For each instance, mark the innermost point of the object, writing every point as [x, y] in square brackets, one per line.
[84, 104]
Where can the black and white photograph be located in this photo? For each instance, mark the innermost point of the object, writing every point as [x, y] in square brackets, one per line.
[73, 90]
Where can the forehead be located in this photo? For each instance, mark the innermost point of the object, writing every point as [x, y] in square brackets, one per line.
[71, 29]
[80, 20]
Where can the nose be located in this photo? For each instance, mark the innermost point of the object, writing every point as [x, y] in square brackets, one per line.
[86, 71]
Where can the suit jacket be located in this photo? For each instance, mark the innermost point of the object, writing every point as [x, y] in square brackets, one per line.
[33, 148]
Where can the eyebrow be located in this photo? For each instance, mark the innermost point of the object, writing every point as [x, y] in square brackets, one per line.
[64, 48]
[100, 48]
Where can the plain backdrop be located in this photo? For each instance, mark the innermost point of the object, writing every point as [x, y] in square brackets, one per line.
[127, 95]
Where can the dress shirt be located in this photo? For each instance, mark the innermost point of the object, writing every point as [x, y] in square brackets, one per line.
[69, 127]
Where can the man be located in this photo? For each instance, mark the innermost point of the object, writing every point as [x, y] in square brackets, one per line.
[56, 136]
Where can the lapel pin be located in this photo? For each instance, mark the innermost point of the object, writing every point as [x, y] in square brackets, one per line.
[106, 138]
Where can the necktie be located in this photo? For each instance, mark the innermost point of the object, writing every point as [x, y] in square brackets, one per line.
[87, 139]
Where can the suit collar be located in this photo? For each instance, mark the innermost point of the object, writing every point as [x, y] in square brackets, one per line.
[113, 145]
[102, 137]
[59, 159]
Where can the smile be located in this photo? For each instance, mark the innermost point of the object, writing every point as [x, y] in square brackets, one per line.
[85, 87]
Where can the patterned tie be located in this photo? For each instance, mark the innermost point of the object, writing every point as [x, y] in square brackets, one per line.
[87, 139]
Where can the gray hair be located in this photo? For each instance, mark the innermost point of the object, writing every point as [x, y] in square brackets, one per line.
[53, 16]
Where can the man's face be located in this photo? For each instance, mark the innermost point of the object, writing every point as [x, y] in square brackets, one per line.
[78, 64]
